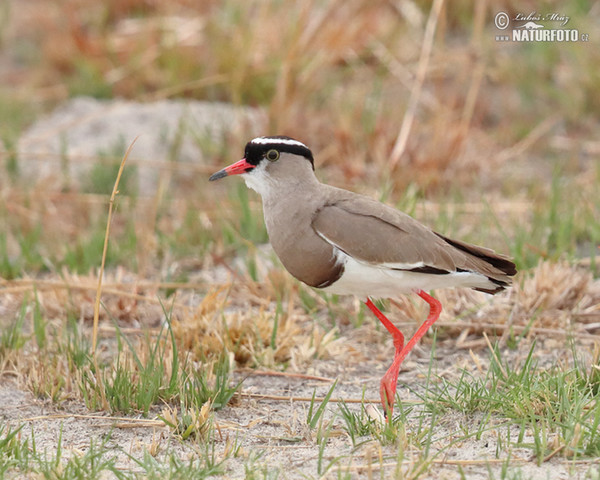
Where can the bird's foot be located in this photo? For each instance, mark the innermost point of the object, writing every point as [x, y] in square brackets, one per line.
[387, 391]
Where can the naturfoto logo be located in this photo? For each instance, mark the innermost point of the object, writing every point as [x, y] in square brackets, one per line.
[528, 28]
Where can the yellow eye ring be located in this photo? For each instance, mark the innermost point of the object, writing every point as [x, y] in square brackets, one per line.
[272, 155]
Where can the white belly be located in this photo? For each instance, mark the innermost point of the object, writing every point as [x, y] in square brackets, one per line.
[366, 280]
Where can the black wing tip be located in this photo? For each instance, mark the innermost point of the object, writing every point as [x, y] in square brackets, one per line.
[502, 263]
[496, 260]
[501, 285]
[491, 291]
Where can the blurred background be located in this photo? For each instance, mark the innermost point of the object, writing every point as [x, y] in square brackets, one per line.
[488, 140]
[421, 104]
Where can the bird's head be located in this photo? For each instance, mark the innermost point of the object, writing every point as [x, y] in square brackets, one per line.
[271, 160]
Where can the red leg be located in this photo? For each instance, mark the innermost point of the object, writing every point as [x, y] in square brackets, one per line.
[387, 388]
[435, 308]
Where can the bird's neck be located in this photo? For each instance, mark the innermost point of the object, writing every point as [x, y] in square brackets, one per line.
[275, 190]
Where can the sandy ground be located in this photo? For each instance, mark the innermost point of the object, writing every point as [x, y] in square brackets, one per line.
[276, 428]
[266, 423]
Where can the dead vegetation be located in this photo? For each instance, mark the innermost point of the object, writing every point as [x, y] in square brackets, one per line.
[553, 300]
[190, 306]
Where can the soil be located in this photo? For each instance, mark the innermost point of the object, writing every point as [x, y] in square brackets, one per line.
[276, 428]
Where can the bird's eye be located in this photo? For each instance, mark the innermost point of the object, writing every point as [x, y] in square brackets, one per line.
[272, 155]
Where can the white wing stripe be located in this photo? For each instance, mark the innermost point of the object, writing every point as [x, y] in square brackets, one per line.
[385, 265]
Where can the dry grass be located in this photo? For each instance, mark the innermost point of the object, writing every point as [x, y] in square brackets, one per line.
[234, 318]
[552, 300]
[316, 75]
[470, 120]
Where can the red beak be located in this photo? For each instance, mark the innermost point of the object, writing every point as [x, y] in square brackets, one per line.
[241, 166]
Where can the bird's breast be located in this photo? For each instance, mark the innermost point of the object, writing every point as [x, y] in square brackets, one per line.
[302, 252]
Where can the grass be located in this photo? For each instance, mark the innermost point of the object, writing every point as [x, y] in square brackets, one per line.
[550, 232]
[24, 456]
[140, 373]
[102, 176]
[362, 427]
[504, 157]
[533, 409]
[18, 114]
[553, 403]
[313, 416]
[98, 461]
[546, 411]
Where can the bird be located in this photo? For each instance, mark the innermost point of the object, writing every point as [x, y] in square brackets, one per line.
[349, 244]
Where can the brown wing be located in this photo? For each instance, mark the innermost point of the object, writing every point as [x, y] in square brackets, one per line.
[372, 232]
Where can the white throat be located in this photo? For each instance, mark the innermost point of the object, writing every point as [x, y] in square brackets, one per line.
[260, 181]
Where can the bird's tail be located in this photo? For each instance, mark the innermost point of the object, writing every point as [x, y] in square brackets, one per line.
[497, 267]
